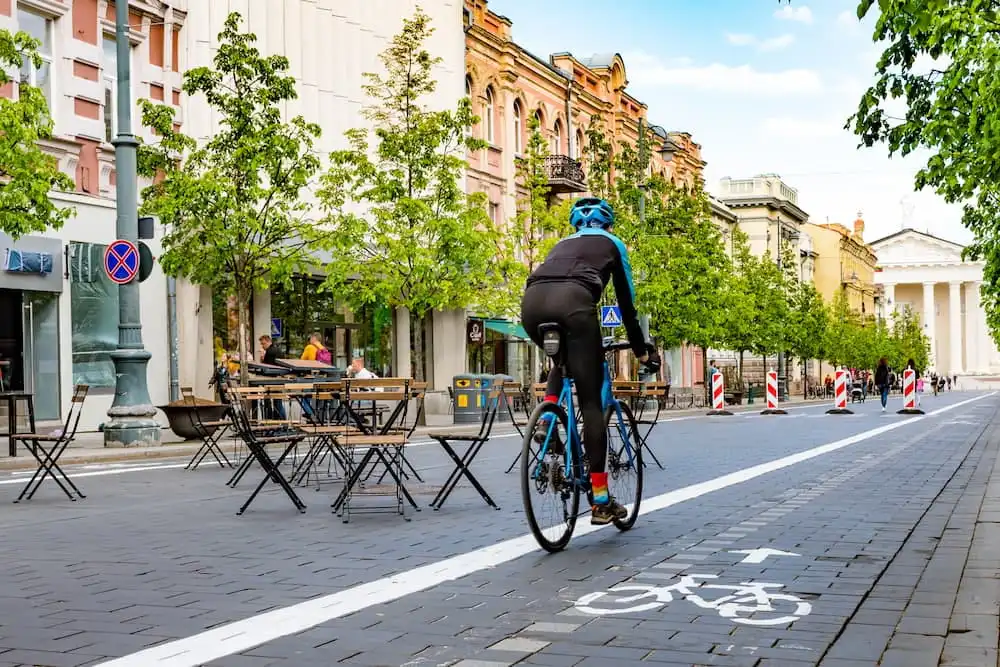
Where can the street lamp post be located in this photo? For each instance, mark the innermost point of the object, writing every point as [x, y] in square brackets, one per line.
[131, 411]
[644, 319]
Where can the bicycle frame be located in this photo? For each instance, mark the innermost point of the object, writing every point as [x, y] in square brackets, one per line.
[575, 449]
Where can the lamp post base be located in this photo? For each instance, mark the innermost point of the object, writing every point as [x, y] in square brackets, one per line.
[132, 423]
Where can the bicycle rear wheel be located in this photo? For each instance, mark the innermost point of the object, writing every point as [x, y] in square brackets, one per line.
[551, 501]
[624, 461]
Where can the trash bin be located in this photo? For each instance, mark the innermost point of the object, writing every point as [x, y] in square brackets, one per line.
[468, 399]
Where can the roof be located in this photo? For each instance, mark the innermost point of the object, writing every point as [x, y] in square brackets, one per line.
[599, 60]
[908, 230]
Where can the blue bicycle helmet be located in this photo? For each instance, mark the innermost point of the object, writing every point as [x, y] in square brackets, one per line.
[592, 212]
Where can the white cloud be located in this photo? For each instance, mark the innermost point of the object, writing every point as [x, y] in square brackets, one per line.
[740, 39]
[804, 128]
[848, 19]
[718, 77]
[770, 44]
[802, 14]
[776, 43]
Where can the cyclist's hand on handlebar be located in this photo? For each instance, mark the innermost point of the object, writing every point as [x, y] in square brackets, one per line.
[651, 360]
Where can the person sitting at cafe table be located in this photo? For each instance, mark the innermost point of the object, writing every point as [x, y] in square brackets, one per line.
[316, 351]
[275, 409]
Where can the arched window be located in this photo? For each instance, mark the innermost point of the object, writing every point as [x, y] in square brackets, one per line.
[557, 139]
[518, 129]
[489, 116]
[578, 148]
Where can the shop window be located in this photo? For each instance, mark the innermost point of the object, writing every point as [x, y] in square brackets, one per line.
[93, 316]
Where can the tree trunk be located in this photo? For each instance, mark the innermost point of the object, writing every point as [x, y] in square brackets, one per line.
[418, 347]
[243, 332]
[742, 378]
[707, 381]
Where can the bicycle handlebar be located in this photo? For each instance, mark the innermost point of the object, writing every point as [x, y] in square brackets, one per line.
[610, 344]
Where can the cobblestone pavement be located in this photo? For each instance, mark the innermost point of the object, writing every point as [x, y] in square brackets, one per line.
[882, 533]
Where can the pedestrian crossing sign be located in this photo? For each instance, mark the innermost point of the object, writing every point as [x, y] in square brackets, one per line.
[611, 316]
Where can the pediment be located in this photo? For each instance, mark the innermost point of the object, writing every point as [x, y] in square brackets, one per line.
[911, 247]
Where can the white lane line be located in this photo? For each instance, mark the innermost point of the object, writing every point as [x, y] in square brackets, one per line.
[243, 635]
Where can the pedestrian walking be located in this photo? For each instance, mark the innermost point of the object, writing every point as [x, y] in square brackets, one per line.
[882, 380]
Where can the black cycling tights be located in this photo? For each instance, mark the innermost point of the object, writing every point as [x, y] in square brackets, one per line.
[571, 306]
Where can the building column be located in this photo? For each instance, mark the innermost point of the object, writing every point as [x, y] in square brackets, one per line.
[929, 315]
[890, 301]
[971, 327]
[955, 327]
[403, 366]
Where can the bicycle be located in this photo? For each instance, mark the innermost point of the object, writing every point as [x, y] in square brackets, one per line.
[559, 467]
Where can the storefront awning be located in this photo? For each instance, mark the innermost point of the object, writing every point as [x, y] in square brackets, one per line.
[507, 328]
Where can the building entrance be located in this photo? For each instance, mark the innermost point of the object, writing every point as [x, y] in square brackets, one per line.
[29, 347]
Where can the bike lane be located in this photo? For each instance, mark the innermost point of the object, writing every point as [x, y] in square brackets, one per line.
[832, 524]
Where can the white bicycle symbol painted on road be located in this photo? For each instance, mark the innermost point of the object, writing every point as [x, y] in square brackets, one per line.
[743, 605]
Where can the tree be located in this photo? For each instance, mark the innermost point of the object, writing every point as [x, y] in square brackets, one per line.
[910, 340]
[809, 312]
[741, 293]
[536, 226]
[27, 173]
[952, 110]
[842, 338]
[421, 243]
[233, 207]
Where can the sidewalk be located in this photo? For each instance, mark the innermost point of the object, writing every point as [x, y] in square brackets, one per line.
[938, 602]
[89, 447]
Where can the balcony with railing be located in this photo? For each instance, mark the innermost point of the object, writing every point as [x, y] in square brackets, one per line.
[565, 174]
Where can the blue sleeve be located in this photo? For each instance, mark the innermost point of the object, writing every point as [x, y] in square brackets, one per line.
[625, 292]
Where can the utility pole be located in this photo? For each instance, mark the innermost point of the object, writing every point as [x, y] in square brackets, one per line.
[131, 412]
[783, 383]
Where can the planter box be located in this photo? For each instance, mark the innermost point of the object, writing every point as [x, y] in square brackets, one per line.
[183, 419]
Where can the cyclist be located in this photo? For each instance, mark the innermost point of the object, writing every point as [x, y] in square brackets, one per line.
[565, 289]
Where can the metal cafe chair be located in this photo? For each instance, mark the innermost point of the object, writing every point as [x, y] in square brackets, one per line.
[48, 448]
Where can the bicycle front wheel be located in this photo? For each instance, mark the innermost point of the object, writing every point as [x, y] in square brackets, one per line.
[551, 501]
[624, 461]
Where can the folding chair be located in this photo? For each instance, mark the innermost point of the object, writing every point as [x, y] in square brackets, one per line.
[513, 392]
[257, 445]
[537, 392]
[244, 399]
[418, 393]
[648, 391]
[383, 447]
[475, 441]
[48, 458]
[322, 434]
[211, 432]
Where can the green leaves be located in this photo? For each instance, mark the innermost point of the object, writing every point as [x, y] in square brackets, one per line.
[27, 172]
[403, 232]
[952, 110]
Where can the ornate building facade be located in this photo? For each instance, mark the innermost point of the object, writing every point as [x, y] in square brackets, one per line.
[845, 263]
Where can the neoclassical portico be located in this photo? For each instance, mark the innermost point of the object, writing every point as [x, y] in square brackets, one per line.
[927, 274]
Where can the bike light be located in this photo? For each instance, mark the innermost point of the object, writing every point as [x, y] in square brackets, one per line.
[550, 343]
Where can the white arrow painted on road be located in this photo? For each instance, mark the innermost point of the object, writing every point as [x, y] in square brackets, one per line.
[758, 555]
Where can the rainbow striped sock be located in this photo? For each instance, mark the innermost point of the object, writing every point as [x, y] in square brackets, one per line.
[599, 485]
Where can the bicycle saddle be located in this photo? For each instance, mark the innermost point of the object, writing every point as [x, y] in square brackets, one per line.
[551, 335]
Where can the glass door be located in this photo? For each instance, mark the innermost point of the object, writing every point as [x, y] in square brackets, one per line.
[41, 352]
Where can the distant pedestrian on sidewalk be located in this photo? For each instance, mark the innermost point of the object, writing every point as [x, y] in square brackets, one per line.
[882, 380]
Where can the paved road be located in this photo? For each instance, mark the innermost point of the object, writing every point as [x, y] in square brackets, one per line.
[875, 516]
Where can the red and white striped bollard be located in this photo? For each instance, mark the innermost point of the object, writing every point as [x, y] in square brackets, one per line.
[772, 395]
[718, 395]
[910, 393]
[840, 394]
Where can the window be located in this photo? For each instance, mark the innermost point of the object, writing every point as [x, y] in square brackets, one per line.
[489, 115]
[518, 130]
[557, 139]
[494, 212]
[93, 316]
[40, 28]
[578, 148]
[110, 74]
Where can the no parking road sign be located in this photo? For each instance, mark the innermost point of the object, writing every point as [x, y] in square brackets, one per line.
[121, 261]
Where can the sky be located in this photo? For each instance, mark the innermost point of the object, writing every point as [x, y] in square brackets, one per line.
[763, 87]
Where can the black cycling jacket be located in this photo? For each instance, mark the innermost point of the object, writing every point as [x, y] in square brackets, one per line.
[593, 257]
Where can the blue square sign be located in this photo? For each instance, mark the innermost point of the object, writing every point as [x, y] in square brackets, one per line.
[276, 327]
[611, 316]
